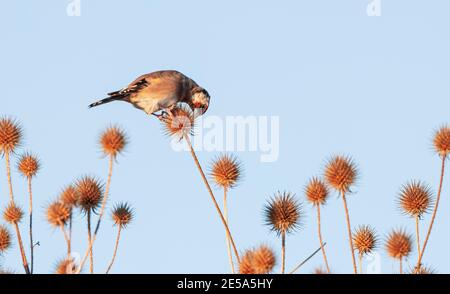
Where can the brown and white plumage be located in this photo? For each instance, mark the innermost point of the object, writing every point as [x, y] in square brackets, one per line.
[159, 91]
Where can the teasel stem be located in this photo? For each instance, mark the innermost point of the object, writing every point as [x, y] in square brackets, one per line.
[102, 210]
[225, 212]
[283, 251]
[401, 265]
[8, 175]
[30, 192]
[22, 251]
[91, 255]
[319, 231]
[115, 250]
[307, 259]
[208, 187]
[360, 257]
[417, 235]
[67, 239]
[69, 243]
[349, 231]
[441, 180]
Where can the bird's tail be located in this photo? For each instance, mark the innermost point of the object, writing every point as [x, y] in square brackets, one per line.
[107, 100]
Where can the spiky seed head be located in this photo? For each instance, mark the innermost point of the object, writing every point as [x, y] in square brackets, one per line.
[5, 239]
[341, 173]
[441, 141]
[113, 141]
[263, 260]
[122, 214]
[13, 214]
[58, 214]
[399, 244]
[66, 266]
[10, 134]
[226, 171]
[180, 122]
[365, 239]
[423, 270]
[282, 213]
[246, 264]
[69, 196]
[316, 192]
[319, 271]
[28, 165]
[415, 198]
[90, 192]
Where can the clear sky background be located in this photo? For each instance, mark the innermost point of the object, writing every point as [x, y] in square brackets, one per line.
[374, 88]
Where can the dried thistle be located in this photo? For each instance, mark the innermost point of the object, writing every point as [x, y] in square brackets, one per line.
[113, 141]
[122, 214]
[28, 165]
[58, 214]
[69, 196]
[90, 192]
[263, 260]
[5, 239]
[441, 141]
[423, 270]
[365, 240]
[415, 198]
[282, 213]
[399, 244]
[179, 122]
[226, 171]
[341, 173]
[10, 134]
[246, 266]
[13, 214]
[316, 192]
[66, 266]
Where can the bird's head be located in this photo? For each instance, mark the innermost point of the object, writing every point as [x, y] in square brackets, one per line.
[199, 100]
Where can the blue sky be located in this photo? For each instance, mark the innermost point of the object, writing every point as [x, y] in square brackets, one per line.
[340, 82]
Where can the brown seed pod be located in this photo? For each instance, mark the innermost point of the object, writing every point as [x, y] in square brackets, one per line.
[226, 171]
[10, 134]
[66, 266]
[113, 141]
[365, 239]
[263, 260]
[441, 141]
[90, 192]
[28, 165]
[122, 214]
[282, 213]
[415, 198]
[399, 244]
[69, 196]
[423, 270]
[180, 123]
[246, 266]
[5, 239]
[58, 214]
[341, 173]
[316, 192]
[13, 214]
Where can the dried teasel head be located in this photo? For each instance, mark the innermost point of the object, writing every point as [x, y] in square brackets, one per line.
[13, 214]
[69, 196]
[180, 122]
[415, 198]
[257, 261]
[423, 270]
[441, 141]
[5, 239]
[58, 214]
[66, 266]
[282, 213]
[10, 134]
[226, 171]
[316, 192]
[341, 173]
[113, 141]
[365, 239]
[90, 192]
[398, 244]
[28, 165]
[122, 214]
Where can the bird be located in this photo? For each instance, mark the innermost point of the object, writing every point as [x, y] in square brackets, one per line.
[157, 93]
